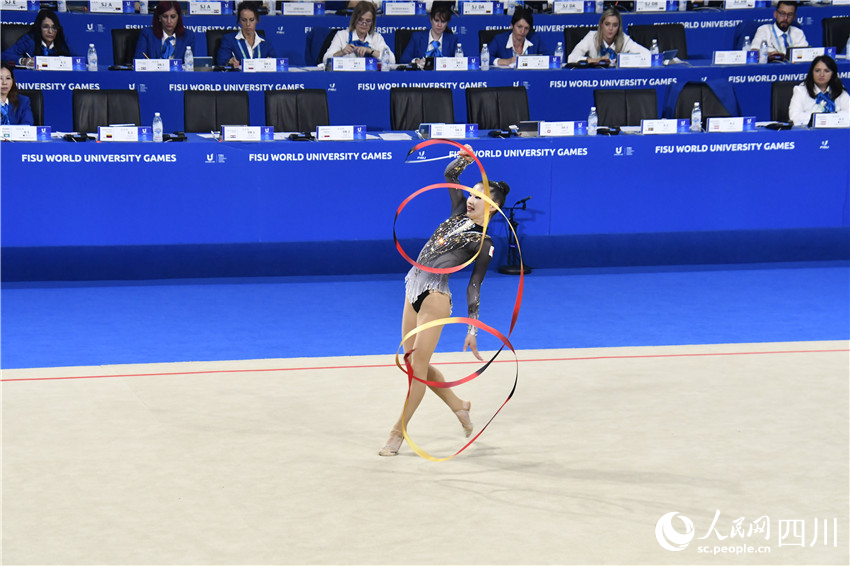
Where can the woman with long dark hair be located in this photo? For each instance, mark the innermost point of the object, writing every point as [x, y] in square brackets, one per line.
[821, 91]
[167, 38]
[15, 109]
[44, 38]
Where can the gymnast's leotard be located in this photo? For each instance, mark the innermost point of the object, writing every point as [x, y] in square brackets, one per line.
[453, 243]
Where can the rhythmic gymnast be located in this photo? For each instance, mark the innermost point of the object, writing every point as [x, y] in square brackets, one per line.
[427, 295]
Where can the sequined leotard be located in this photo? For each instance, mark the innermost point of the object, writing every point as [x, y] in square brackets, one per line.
[453, 243]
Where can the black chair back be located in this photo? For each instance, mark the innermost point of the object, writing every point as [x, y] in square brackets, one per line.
[669, 36]
[207, 111]
[93, 108]
[572, 37]
[780, 99]
[745, 28]
[627, 107]
[37, 104]
[297, 110]
[487, 35]
[402, 38]
[410, 107]
[495, 108]
[214, 40]
[11, 33]
[835, 32]
[318, 41]
[124, 45]
[709, 102]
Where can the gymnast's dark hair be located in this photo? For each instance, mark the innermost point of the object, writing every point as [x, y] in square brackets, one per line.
[499, 192]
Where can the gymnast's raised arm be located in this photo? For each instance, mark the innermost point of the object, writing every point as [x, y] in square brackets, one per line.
[452, 173]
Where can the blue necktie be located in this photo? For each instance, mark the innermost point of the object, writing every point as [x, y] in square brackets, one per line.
[4, 110]
[46, 50]
[785, 40]
[169, 48]
[435, 50]
[828, 103]
[609, 52]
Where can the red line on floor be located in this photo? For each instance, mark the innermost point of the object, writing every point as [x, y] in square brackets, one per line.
[634, 356]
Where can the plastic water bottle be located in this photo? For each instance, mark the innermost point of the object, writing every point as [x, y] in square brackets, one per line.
[62, 6]
[763, 52]
[696, 118]
[599, 6]
[683, 6]
[559, 54]
[189, 60]
[271, 7]
[654, 49]
[91, 58]
[143, 7]
[485, 58]
[592, 122]
[459, 50]
[385, 59]
[747, 43]
[511, 7]
[157, 127]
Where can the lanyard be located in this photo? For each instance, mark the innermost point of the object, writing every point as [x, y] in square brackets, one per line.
[245, 55]
[778, 40]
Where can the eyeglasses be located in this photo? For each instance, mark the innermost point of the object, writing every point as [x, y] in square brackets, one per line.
[786, 15]
[364, 21]
[49, 28]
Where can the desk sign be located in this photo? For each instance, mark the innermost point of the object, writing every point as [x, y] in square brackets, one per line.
[211, 8]
[25, 133]
[726, 125]
[656, 6]
[730, 57]
[559, 129]
[448, 131]
[396, 8]
[340, 133]
[481, 8]
[158, 65]
[354, 64]
[112, 7]
[532, 62]
[265, 65]
[743, 4]
[457, 63]
[561, 7]
[807, 54]
[50, 63]
[124, 133]
[247, 133]
[664, 126]
[303, 9]
[634, 60]
[831, 120]
[20, 5]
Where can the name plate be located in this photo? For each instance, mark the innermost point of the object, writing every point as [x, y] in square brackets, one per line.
[559, 129]
[739, 4]
[340, 133]
[354, 64]
[158, 65]
[651, 6]
[265, 65]
[404, 8]
[210, 8]
[20, 5]
[481, 8]
[112, 7]
[46, 63]
[735, 124]
[247, 133]
[124, 133]
[561, 7]
[303, 9]
[532, 62]
[831, 120]
[664, 126]
[807, 54]
[634, 60]
[841, 2]
[731, 57]
[25, 133]
[448, 131]
[457, 63]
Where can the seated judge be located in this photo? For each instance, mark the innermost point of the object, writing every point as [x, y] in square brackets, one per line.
[520, 40]
[821, 91]
[438, 42]
[15, 109]
[360, 39]
[45, 37]
[606, 43]
[780, 35]
[246, 43]
[167, 38]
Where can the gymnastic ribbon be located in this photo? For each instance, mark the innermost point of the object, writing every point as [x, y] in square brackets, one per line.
[408, 368]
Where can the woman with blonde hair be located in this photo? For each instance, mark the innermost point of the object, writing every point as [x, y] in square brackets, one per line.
[605, 43]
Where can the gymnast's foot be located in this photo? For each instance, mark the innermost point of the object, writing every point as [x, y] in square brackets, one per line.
[393, 444]
[463, 417]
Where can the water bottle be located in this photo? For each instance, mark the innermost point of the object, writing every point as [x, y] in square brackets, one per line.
[485, 58]
[763, 52]
[188, 60]
[62, 6]
[747, 43]
[683, 6]
[599, 6]
[143, 7]
[385, 59]
[459, 50]
[271, 7]
[91, 58]
[511, 7]
[592, 122]
[559, 54]
[654, 49]
[157, 127]
[696, 118]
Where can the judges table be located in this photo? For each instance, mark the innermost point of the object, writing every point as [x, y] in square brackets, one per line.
[363, 97]
[202, 207]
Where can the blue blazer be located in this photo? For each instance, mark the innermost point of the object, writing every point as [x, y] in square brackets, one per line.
[420, 42]
[499, 51]
[22, 114]
[25, 47]
[151, 45]
[230, 47]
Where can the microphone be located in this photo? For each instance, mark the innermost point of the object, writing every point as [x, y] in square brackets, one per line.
[523, 201]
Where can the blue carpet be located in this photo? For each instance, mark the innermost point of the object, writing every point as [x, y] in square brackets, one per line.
[67, 324]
